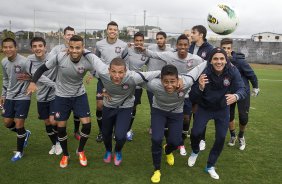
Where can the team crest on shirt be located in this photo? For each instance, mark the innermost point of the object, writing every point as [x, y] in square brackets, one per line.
[18, 69]
[57, 115]
[180, 94]
[203, 55]
[189, 63]
[143, 58]
[117, 50]
[125, 86]
[226, 81]
[80, 69]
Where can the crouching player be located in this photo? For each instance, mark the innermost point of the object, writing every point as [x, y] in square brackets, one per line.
[218, 87]
[167, 110]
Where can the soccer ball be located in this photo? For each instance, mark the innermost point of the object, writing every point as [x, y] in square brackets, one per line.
[222, 20]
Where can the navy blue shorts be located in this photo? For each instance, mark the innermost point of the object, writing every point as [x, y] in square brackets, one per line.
[79, 105]
[45, 109]
[243, 108]
[138, 95]
[187, 108]
[16, 109]
[99, 93]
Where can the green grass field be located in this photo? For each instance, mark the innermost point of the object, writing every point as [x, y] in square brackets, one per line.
[259, 163]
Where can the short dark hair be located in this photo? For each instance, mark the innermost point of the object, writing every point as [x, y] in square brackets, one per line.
[169, 70]
[112, 23]
[118, 62]
[10, 40]
[37, 39]
[76, 38]
[138, 34]
[182, 37]
[68, 28]
[161, 33]
[217, 50]
[201, 29]
[226, 41]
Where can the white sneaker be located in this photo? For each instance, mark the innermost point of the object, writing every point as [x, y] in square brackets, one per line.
[182, 150]
[192, 159]
[232, 141]
[58, 148]
[212, 172]
[202, 145]
[52, 150]
[242, 143]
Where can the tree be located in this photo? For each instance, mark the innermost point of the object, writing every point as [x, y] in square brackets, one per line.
[7, 34]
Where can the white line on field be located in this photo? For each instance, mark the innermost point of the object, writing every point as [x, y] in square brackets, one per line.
[272, 80]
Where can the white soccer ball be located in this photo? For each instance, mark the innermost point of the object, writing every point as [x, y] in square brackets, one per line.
[222, 19]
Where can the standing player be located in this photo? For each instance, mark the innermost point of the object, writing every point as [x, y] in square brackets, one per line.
[202, 48]
[107, 49]
[247, 74]
[68, 33]
[167, 111]
[218, 87]
[46, 91]
[70, 94]
[184, 62]
[135, 60]
[13, 98]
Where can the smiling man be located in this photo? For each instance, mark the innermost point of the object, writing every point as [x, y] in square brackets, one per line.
[70, 94]
[218, 87]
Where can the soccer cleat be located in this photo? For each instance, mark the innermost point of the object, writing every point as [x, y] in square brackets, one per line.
[64, 161]
[202, 145]
[129, 135]
[28, 133]
[117, 158]
[182, 150]
[52, 150]
[212, 172]
[242, 143]
[107, 157]
[58, 148]
[192, 159]
[170, 159]
[232, 141]
[82, 158]
[99, 137]
[77, 136]
[18, 155]
[156, 178]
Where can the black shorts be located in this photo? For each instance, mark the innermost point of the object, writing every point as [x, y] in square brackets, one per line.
[99, 93]
[243, 107]
[16, 109]
[138, 95]
[45, 109]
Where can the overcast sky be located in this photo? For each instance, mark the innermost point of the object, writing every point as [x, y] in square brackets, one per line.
[172, 16]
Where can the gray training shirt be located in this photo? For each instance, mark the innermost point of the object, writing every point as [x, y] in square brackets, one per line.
[69, 81]
[156, 64]
[122, 95]
[57, 49]
[173, 102]
[182, 65]
[107, 51]
[12, 88]
[134, 59]
[46, 83]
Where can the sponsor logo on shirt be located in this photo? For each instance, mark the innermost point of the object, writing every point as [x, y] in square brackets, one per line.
[226, 81]
[80, 69]
[18, 69]
[125, 86]
[117, 50]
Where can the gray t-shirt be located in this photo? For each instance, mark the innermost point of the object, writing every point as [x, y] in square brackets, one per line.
[46, 83]
[182, 65]
[156, 64]
[173, 102]
[69, 81]
[107, 51]
[13, 89]
[134, 59]
[57, 49]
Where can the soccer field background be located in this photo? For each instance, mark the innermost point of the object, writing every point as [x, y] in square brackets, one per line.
[259, 163]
